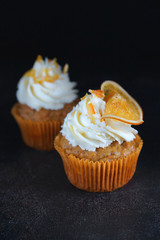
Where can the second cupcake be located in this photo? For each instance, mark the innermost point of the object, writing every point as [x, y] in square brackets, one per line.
[45, 95]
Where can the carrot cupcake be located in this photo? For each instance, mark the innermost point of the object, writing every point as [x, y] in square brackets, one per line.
[98, 146]
[45, 95]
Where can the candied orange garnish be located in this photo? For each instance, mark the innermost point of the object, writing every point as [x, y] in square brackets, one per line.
[44, 73]
[30, 73]
[90, 109]
[120, 105]
[47, 79]
[55, 62]
[66, 67]
[99, 93]
[82, 98]
[39, 58]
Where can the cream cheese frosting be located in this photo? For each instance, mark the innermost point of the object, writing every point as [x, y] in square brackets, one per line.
[85, 127]
[46, 86]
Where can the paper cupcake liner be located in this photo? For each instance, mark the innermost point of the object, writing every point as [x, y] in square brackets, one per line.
[99, 176]
[39, 135]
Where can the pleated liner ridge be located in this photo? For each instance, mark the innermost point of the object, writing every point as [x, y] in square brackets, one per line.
[39, 135]
[99, 176]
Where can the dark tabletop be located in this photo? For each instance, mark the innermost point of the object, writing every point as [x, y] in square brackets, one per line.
[38, 202]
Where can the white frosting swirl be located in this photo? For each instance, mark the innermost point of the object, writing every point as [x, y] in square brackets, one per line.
[46, 86]
[89, 131]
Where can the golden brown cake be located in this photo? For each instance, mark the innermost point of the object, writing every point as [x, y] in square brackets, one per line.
[100, 153]
[45, 96]
[43, 114]
[112, 152]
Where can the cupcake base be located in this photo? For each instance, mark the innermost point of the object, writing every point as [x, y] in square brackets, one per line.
[39, 135]
[99, 176]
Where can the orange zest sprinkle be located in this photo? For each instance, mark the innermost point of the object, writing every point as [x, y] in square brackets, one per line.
[73, 113]
[66, 67]
[47, 79]
[99, 93]
[39, 58]
[92, 108]
[55, 62]
[82, 98]
[30, 73]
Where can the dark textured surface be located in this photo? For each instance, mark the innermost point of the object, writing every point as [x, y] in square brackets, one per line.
[38, 202]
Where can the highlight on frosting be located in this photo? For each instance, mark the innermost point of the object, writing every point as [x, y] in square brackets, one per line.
[85, 126]
[46, 85]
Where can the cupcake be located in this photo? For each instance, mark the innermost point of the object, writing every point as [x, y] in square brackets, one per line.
[98, 146]
[45, 95]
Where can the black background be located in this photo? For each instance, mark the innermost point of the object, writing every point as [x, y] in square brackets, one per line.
[118, 41]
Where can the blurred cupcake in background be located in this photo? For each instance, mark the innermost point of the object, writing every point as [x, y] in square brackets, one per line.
[45, 95]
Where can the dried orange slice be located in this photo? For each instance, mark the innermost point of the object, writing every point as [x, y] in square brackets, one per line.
[120, 105]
